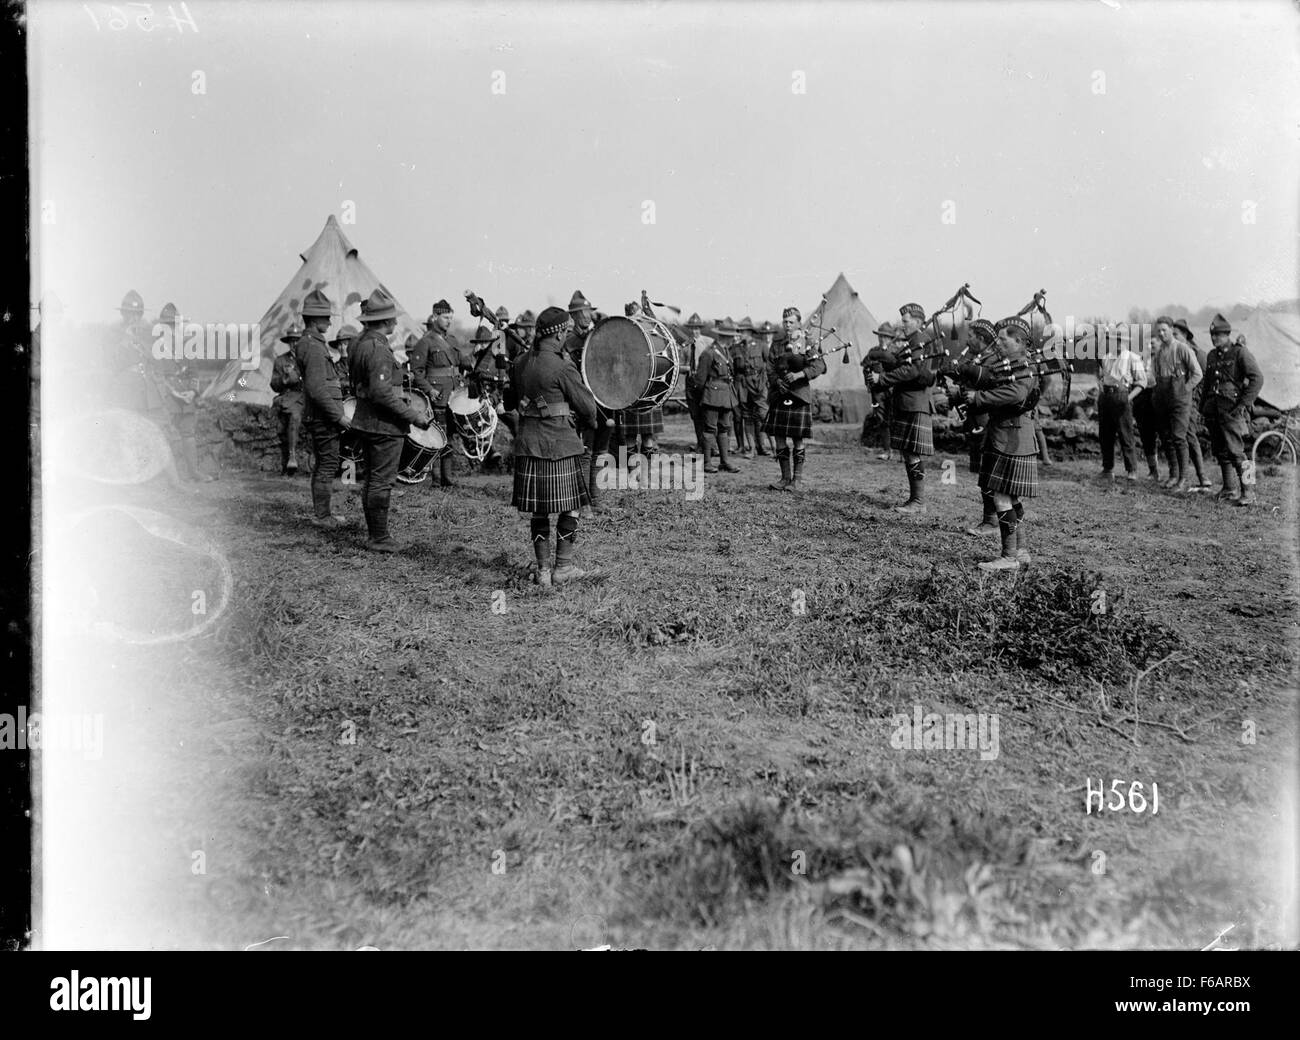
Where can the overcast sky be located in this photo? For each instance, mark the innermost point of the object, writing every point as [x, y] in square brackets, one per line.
[1106, 151]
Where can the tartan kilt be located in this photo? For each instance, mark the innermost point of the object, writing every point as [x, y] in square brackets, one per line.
[909, 432]
[642, 424]
[794, 422]
[549, 485]
[1008, 474]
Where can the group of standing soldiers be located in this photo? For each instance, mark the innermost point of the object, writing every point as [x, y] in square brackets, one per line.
[1182, 390]
[165, 389]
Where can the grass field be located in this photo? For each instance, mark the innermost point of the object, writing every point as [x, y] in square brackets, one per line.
[425, 750]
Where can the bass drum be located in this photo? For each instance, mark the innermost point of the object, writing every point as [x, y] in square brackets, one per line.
[630, 363]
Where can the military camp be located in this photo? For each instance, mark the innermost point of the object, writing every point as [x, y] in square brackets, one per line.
[631, 477]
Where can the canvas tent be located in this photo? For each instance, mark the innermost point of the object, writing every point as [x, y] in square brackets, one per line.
[1273, 337]
[331, 265]
[843, 310]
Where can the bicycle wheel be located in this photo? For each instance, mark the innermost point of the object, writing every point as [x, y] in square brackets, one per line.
[1273, 446]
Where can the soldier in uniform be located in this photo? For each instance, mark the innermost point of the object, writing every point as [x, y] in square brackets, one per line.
[978, 368]
[880, 358]
[339, 347]
[757, 356]
[286, 381]
[789, 415]
[1009, 460]
[694, 348]
[1177, 372]
[383, 417]
[549, 476]
[436, 363]
[1233, 381]
[749, 358]
[525, 327]
[714, 376]
[322, 414]
[176, 387]
[595, 436]
[1202, 486]
[738, 350]
[489, 375]
[910, 381]
[127, 357]
[645, 425]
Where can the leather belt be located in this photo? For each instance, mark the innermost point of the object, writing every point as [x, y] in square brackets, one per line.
[554, 409]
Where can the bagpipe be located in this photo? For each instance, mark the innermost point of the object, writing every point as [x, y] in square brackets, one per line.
[1043, 365]
[784, 364]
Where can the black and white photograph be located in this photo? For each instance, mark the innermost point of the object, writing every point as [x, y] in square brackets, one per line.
[668, 476]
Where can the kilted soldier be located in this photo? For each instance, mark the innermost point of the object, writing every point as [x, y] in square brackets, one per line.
[1184, 333]
[715, 378]
[789, 414]
[1123, 378]
[910, 381]
[382, 418]
[322, 414]
[286, 381]
[1177, 372]
[436, 364]
[979, 367]
[549, 394]
[694, 348]
[644, 425]
[1233, 381]
[339, 347]
[880, 358]
[1009, 460]
[595, 436]
[177, 387]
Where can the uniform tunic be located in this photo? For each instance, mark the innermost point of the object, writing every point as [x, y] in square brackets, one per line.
[717, 392]
[1233, 381]
[793, 420]
[322, 414]
[910, 380]
[436, 363]
[1009, 461]
[751, 377]
[550, 397]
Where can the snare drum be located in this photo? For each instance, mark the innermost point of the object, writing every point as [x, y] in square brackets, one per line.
[421, 447]
[474, 420]
[630, 363]
[349, 442]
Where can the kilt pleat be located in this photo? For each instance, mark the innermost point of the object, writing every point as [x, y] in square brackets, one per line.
[549, 485]
[642, 424]
[794, 421]
[909, 432]
[1008, 474]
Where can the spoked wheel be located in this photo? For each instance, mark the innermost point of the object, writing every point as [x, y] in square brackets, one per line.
[1273, 446]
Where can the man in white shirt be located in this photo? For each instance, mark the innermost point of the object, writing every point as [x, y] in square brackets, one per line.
[1122, 378]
